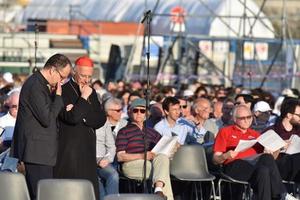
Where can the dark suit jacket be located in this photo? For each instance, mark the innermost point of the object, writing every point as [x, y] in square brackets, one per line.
[36, 132]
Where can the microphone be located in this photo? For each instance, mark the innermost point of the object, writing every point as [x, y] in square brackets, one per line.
[146, 15]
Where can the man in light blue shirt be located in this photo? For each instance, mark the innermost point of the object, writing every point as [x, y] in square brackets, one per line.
[173, 124]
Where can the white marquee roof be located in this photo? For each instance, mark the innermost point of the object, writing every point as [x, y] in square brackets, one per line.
[201, 14]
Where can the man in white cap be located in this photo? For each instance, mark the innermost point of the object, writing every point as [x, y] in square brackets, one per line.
[262, 112]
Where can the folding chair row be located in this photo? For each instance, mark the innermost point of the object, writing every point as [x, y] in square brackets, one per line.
[13, 187]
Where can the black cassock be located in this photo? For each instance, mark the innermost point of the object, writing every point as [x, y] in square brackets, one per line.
[76, 157]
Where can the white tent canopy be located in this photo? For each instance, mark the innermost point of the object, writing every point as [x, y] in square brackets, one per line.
[233, 27]
[201, 15]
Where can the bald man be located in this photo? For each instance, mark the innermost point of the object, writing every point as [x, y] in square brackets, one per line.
[207, 128]
[82, 114]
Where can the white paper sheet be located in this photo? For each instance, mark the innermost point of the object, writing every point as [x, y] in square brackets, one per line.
[244, 145]
[165, 145]
[271, 140]
[294, 146]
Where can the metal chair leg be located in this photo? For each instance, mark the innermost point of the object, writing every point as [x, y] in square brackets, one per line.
[196, 191]
[201, 194]
[219, 189]
[213, 189]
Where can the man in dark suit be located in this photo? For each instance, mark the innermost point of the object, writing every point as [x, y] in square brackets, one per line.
[35, 134]
[83, 114]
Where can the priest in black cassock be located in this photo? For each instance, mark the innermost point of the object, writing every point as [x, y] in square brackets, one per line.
[82, 114]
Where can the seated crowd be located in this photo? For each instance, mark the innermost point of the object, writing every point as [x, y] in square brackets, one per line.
[212, 116]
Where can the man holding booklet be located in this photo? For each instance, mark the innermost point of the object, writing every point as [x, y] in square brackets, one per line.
[130, 151]
[287, 127]
[248, 164]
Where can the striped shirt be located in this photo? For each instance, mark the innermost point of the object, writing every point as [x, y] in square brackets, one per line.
[131, 139]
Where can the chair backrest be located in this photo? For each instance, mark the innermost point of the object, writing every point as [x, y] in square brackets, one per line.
[133, 197]
[13, 186]
[65, 189]
[189, 162]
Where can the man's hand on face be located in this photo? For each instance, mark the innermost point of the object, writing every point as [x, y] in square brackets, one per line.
[58, 89]
[85, 91]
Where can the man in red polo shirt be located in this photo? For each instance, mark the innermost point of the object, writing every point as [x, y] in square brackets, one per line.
[260, 170]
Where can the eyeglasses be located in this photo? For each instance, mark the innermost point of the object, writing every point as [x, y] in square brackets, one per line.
[183, 106]
[85, 76]
[61, 76]
[244, 118]
[206, 109]
[117, 110]
[136, 110]
[297, 114]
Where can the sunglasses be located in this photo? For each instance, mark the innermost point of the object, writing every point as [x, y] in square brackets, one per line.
[183, 106]
[244, 118]
[136, 110]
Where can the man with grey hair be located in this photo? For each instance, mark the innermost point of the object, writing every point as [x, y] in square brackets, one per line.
[253, 164]
[106, 148]
[206, 128]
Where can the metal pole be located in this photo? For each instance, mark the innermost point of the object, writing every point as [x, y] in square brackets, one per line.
[148, 18]
[243, 42]
[284, 45]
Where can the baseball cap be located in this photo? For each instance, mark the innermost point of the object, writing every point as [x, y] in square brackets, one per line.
[288, 92]
[140, 102]
[188, 93]
[261, 106]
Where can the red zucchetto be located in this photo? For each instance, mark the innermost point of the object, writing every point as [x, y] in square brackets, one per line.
[84, 61]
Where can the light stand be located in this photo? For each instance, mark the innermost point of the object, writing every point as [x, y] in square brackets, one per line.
[147, 17]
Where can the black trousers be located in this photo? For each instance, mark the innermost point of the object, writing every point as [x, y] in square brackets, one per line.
[34, 173]
[289, 166]
[263, 176]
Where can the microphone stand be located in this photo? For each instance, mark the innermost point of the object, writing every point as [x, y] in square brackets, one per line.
[147, 17]
[36, 32]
